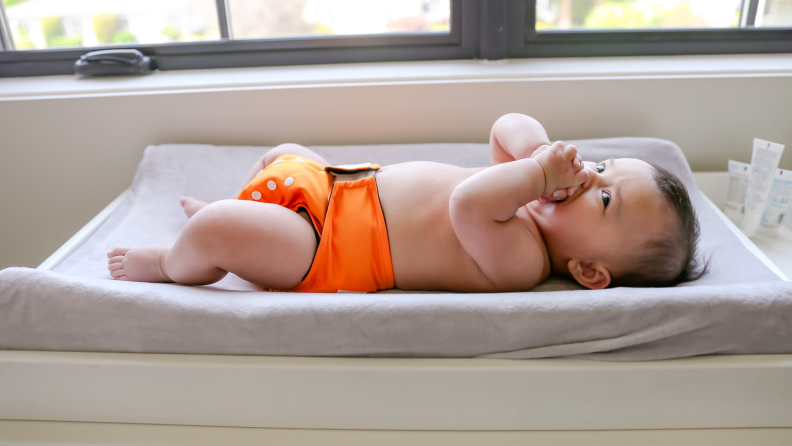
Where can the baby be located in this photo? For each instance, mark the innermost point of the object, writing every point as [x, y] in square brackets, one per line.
[300, 225]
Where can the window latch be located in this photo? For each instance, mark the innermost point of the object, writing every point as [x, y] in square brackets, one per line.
[113, 62]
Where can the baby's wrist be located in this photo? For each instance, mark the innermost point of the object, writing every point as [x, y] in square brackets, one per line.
[539, 150]
[545, 179]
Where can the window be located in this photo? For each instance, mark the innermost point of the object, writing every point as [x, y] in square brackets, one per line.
[774, 13]
[252, 19]
[640, 14]
[557, 28]
[47, 24]
[40, 37]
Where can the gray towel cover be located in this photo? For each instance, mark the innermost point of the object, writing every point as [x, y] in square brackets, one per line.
[740, 307]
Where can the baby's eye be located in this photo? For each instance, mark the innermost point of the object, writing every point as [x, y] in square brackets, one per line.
[606, 198]
[600, 167]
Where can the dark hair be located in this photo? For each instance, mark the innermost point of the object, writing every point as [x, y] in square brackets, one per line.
[671, 258]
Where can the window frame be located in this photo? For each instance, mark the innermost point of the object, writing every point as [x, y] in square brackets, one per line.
[527, 42]
[480, 29]
[459, 43]
[6, 42]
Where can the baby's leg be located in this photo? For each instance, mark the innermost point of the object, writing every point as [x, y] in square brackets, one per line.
[191, 205]
[273, 154]
[262, 243]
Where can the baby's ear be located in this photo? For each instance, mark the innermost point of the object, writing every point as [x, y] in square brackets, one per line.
[593, 275]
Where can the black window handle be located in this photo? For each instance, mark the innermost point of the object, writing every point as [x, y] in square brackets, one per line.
[113, 62]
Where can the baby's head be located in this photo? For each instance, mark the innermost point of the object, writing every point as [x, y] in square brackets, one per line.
[630, 224]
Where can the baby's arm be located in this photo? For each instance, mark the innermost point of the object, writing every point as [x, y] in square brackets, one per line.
[516, 136]
[483, 208]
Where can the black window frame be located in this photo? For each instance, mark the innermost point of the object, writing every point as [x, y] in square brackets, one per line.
[527, 42]
[480, 29]
[459, 43]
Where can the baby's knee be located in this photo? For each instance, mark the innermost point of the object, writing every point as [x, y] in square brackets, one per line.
[288, 148]
[210, 227]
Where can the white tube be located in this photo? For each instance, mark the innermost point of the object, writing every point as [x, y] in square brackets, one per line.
[739, 175]
[764, 163]
[777, 202]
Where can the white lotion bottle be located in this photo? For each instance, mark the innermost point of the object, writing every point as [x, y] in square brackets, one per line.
[739, 177]
[777, 202]
[764, 162]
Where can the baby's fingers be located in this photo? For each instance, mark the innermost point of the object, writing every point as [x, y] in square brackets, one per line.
[559, 195]
[571, 154]
[581, 176]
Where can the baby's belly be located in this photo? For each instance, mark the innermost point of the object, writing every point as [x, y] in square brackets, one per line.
[421, 263]
[425, 250]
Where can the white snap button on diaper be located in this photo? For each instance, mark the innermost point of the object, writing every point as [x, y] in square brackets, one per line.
[271, 185]
[256, 195]
[299, 160]
[277, 161]
[289, 181]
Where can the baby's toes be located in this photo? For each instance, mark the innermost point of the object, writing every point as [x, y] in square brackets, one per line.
[117, 252]
[116, 273]
[115, 263]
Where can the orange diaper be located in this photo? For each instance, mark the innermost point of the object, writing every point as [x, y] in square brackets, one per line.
[343, 203]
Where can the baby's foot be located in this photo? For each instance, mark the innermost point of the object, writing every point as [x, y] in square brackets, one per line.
[191, 205]
[138, 264]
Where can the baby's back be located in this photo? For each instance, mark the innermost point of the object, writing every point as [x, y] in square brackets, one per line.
[425, 250]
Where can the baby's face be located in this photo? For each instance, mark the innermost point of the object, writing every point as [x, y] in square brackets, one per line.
[614, 211]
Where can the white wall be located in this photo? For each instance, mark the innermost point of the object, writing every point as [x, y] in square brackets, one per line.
[69, 147]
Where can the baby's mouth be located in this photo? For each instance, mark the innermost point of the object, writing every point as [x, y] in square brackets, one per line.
[574, 196]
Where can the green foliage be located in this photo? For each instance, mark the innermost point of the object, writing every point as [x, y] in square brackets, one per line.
[105, 26]
[60, 41]
[23, 42]
[52, 28]
[319, 28]
[10, 3]
[123, 36]
[54, 34]
[440, 26]
[622, 15]
[580, 11]
[682, 17]
[171, 32]
[627, 14]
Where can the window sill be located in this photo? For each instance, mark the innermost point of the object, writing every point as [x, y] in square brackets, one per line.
[514, 70]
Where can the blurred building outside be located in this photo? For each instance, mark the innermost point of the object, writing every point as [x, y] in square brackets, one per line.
[774, 13]
[615, 14]
[261, 18]
[39, 24]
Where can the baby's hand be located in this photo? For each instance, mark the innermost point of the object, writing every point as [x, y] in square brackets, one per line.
[563, 169]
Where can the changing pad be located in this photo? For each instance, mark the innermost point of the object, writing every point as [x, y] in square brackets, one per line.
[740, 307]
